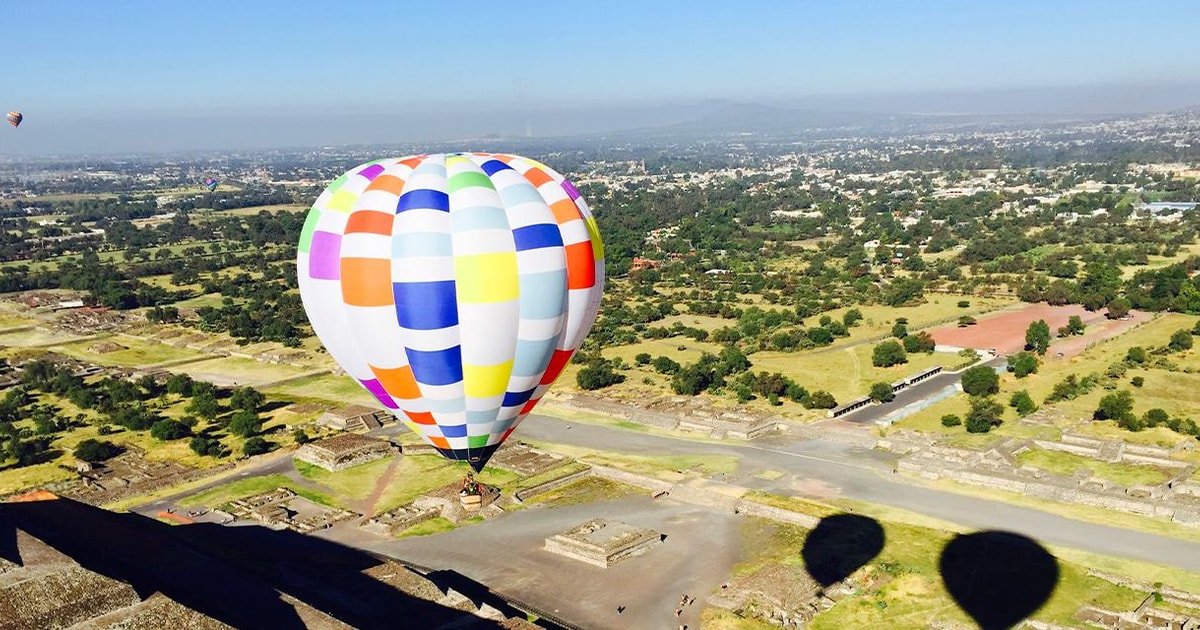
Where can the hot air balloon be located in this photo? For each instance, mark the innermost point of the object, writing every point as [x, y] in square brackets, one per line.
[15, 118]
[210, 184]
[453, 287]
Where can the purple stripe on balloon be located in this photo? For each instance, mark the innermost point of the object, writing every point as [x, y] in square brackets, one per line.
[572, 192]
[376, 388]
[323, 256]
[372, 171]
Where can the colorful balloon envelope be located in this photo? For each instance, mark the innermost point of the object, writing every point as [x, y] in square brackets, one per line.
[15, 118]
[453, 287]
[210, 183]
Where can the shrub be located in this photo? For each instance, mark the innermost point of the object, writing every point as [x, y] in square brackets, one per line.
[951, 420]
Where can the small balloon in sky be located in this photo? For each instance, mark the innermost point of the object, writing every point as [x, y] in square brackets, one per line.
[210, 183]
[453, 287]
[15, 118]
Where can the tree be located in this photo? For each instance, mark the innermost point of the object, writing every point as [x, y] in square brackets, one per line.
[1023, 364]
[1136, 355]
[1180, 340]
[300, 436]
[899, 330]
[1115, 406]
[821, 399]
[1196, 330]
[888, 353]
[246, 398]
[598, 374]
[882, 392]
[951, 420]
[256, 446]
[984, 414]
[1037, 336]
[1075, 325]
[201, 445]
[1155, 417]
[920, 342]
[980, 380]
[1022, 402]
[1137, 381]
[966, 320]
[665, 365]
[204, 405]
[91, 450]
[642, 358]
[245, 423]
[168, 429]
[851, 318]
[1118, 308]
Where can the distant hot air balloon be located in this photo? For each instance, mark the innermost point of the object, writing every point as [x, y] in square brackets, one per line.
[453, 287]
[15, 118]
[210, 184]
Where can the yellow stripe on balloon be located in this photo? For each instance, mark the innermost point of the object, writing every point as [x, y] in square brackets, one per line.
[342, 201]
[485, 381]
[486, 278]
[594, 236]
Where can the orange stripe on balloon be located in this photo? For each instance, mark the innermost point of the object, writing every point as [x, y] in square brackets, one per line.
[537, 177]
[439, 442]
[370, 222]
[421, 417]
[581, 266]
[565, 211]
[387, 183]
[367, 282]
[398, 382]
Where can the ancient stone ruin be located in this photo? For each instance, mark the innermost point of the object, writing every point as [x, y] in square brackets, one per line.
[354, 418]
[345, 450]
[603, 543]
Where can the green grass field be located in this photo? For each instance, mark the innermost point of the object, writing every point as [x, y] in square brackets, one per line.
[242, 488]
[329, 388]
[1126, 475]
[355, 483]
[136, 352]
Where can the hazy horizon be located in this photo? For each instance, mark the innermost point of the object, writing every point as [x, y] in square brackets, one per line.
[144, 76]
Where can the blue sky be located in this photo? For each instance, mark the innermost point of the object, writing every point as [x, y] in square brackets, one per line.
[72, 60]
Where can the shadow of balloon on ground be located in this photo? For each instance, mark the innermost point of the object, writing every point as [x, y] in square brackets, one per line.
[839, 545]
[998, 578]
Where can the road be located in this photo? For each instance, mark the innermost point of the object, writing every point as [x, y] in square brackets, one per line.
[931, 386]
[825, 469]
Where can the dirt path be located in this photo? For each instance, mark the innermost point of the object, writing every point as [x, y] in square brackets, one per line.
[367, 507]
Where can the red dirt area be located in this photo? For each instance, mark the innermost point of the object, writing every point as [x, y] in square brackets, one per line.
[36, 495]
[1005, 332]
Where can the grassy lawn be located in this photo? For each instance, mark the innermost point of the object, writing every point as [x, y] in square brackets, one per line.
[907, 589]
[432, 526]
[35, 337]
[355, 483]
[229, 370]
[419, 474]
[338, 389]
[242, 488]
[586, 490]
[845, 373]
[655, 466]
[136, 352]
[1126, 475]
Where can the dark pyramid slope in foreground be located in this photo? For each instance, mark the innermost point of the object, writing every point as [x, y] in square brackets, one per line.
[63, 563]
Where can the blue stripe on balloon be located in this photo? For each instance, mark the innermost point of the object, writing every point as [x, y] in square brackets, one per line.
[481, 417]
[422, 244]
[513, 399]
[423, 198]
[532, 357]
[425, 305]
[543, 294]
[454, 430]
[519, 193]
[491, 167]
[436, 367]
[478, 218]
[537, 236]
